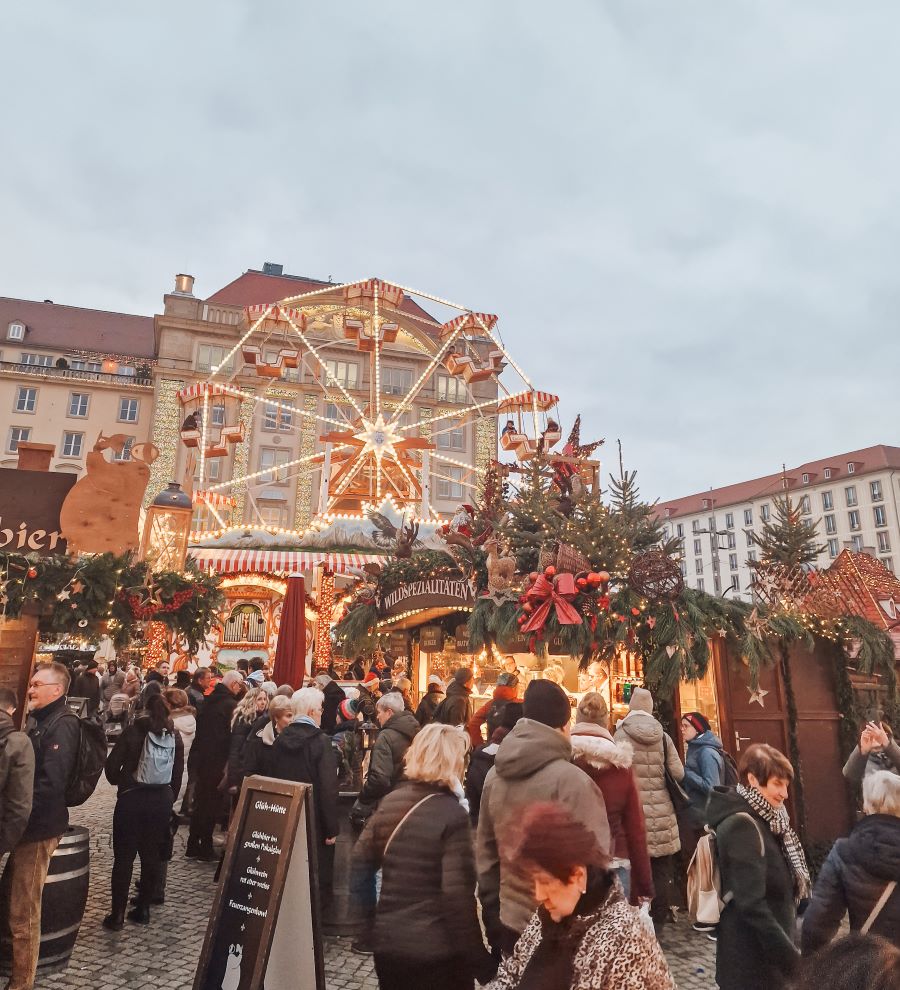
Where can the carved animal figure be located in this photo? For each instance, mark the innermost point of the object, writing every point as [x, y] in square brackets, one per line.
[501, 569]
[405, 541]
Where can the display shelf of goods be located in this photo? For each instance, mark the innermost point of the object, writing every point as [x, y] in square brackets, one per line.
[105, 594]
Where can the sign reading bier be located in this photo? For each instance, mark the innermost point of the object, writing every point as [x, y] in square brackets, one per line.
[430, 593]
[29, 510]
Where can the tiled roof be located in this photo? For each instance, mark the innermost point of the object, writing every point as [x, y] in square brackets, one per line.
[254, 287]
[864, 585]
[865, 461]
[67, 328]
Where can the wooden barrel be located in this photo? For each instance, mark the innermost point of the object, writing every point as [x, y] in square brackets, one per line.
[337, 916]
[62, 904]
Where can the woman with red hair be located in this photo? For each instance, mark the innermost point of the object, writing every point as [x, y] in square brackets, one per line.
[584, 933]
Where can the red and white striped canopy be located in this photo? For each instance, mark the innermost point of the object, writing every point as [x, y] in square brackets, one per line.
[526, 401]
[283, 313]
[276, 561]
[216, 499]
[470, 323]
[191, 392]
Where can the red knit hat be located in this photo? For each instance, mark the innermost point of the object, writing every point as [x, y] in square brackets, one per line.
[370, 678]
[698, 720]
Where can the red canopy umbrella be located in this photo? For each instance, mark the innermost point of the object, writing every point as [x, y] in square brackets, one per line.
[290, 654]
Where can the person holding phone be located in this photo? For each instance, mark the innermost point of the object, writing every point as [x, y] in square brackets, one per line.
[877, 750]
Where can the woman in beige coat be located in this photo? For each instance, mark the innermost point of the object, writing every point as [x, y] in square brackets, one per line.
[653, 751]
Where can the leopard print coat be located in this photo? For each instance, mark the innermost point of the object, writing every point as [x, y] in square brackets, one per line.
[616, 952]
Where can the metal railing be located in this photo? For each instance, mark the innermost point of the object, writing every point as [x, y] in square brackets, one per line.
[72, 374]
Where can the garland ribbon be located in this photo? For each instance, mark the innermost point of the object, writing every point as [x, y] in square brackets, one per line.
[546, 594]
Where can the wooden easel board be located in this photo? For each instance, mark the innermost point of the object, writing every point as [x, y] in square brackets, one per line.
[264, 929]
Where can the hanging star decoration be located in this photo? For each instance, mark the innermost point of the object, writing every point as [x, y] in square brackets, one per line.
[758, 696]
[722, 633]
[756, 625]
[63, 595]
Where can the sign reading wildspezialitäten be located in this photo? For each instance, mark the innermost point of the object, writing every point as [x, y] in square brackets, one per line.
[264, 926]
[30, 502]
[428, 593]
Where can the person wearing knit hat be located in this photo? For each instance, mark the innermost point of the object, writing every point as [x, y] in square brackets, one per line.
[456, 708]
[431, 700]
[533, 763]
[654, 754]
[348, 710]
[704, 765]
[507, 690]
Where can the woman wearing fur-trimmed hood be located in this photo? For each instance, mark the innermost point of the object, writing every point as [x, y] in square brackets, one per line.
[608, 763]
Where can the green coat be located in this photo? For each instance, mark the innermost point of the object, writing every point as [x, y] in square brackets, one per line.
[756, 933]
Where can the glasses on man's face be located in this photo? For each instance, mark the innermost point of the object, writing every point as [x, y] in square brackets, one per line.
[41, 684]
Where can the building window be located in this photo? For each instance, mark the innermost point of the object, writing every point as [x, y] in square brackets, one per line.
[732, 541]
[695, 526]
[345, 372]
[450, 389]
[850, 494]
[17, 435]
[732, 561]
[735, 582]
[288, 374]
[41, 360]
[450, 485]
[853, 518]
[125, 454]
[270, 460]
[851, 467]
[213, 470]
[764, 512]
[278, 418]
[804, 478]
[880, 516]
[15, 331]
[748, 517]
[698, 565]
[697, 549]
[827, 501]
[832, 548]
[888, 563]
[396, 381]
[804, 505]
[884, 542]
[272, 516]
[729, 520]
[679, 530]
[856, 544]
[211, 356]
[128, 410]
[699, 584]
[751, 555]
[26, 399]
[217, 415]
[830, 524]
[454, 439]
[78, 404]
[828, 475]
[749, 535]
[875, 489]
[79, 364]
[73, 444]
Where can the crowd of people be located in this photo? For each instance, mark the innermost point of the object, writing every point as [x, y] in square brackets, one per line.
[519, 844]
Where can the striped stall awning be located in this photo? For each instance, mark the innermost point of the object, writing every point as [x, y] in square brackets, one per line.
[274, 312]
[470, 323]
[525, 401]
[191, 392]
[277, 561]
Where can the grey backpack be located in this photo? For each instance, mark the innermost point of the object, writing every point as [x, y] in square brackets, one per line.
[157, 759]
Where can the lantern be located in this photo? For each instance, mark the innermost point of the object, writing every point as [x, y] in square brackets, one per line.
[167, 528]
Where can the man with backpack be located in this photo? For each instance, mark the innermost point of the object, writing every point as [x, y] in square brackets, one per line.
[456, 708]
[56, 737]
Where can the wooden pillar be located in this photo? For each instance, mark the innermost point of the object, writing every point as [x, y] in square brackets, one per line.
[18, 638]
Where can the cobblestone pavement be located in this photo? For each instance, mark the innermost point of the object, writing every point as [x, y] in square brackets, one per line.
[163, 955]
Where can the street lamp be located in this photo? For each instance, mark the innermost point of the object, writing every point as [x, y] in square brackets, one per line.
[167, 529]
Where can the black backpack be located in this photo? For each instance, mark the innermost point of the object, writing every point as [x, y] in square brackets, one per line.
[730, 776]
[90, 759]
[495, 713]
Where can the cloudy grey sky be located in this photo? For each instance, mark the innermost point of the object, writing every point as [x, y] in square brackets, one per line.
[686, 214]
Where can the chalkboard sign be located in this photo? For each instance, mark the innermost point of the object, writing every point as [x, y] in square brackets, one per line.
[431, 639]
[264, 929]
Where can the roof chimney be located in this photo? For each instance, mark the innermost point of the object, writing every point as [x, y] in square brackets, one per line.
[271, 268]
[184, 285]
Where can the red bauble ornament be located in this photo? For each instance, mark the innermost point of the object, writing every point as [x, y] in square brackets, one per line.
[604, 576]
[549, 571]
[581, 582]
[528, 608]
[593, 579]
[32, 572]
[635, 611]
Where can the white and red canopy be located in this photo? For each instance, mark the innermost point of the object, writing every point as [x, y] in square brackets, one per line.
[277, 561]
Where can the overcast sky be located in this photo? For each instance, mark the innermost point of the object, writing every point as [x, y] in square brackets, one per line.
[686, 214]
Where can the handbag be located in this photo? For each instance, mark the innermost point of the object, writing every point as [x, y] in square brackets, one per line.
[680, 801]
[399, 824]
[873, 917]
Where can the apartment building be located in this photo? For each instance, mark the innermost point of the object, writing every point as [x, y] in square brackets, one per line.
[195, 336]
[68, 374]
[852, 498]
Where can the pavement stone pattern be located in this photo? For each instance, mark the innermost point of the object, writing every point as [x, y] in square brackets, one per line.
[163, 955]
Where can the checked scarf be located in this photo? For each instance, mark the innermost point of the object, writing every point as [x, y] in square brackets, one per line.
[780, 826]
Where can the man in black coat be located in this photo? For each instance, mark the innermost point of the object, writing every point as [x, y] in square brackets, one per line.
[55, 735]
[398, 729]
[334, 695]
[206, 762]
[87, 685]
[456, 708]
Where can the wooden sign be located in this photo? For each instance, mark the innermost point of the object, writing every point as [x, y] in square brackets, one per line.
[30, 503]
[429, 593]
[431, 639]
[265, 929]
[399, 644]
[18, 638]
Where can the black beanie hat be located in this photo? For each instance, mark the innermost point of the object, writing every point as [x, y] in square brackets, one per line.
[545, 701]
[698, 720]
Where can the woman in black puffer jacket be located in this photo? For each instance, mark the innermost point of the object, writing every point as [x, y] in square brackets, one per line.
[426, 924]
[859, 869]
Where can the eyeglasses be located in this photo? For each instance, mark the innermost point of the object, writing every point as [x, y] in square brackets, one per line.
[43, 684]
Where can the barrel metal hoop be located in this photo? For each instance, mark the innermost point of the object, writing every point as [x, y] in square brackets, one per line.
[56, 877]
[76, 851]
[52, 960]
[49, 936]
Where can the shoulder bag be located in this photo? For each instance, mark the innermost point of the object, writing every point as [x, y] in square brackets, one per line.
[680, 801]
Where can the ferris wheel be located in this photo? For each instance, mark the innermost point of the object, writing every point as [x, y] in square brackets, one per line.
[364, 440]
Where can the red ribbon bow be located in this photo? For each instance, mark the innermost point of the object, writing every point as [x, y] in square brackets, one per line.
[560, 593]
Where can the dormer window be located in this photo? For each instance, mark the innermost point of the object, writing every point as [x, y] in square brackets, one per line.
[706, 503]
[827, 472]
[851, 467]
[15, 331]
[805, 478]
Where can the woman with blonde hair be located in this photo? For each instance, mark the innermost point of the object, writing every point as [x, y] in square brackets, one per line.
[421, 840]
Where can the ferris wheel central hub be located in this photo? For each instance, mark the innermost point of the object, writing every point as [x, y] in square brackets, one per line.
[378, 437]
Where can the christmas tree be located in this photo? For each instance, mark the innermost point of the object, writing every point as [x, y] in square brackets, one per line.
[635, 516]
[788, 538]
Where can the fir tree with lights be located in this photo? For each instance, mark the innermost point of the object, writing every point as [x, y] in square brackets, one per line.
[788, 538]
